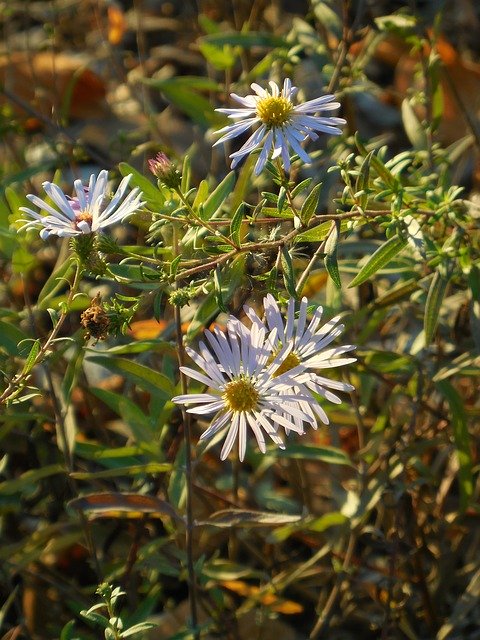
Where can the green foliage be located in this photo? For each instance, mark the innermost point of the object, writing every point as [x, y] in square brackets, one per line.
[365, 523]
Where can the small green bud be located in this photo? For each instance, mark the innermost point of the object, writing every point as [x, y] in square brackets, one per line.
[181, 297]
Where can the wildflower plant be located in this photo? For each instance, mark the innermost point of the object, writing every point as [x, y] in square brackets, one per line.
[302, 306]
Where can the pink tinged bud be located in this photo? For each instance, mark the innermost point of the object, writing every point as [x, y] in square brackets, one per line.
[164, 169]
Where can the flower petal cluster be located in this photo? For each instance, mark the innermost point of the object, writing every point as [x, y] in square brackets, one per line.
[309, 347]
[259, 378]
[91, 209]
[279, 124]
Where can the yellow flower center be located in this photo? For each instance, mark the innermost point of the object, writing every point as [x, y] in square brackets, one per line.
[274, 111]
[290, 362]
[84, 215]
[240, 395]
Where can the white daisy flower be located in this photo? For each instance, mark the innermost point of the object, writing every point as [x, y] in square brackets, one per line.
[90, 210]
[281, 123]
[307, 348]
[244, 388]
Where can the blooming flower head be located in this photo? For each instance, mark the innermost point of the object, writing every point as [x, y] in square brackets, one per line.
[278, 122]
[309, 348]
[244, 388]
[90, 210]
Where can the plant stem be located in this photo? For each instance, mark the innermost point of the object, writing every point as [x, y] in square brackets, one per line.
[187, 428]
[16, 385]
[203, 223]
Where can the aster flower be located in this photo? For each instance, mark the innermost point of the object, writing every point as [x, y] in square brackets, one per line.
[309, 348]
[281, 124]
[90, 210]
[245, 390]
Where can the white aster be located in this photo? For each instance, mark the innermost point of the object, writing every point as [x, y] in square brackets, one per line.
[91, 209]
[244, 391]
[279, 124]
[309, 348]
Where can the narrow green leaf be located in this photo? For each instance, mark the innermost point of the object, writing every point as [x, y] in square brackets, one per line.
[10, 337]
[137, 628]
[474, 283]
[32, 356]
[310, 205]
[379, 259]
[144, 377]
[310, 452]
[288, 272]
[461, 438]
[217, 283]
[122, 472]
[55, 282]
[218, 196]
[220, 57]
[363, 179]
[151, 192]
[301, 186]
[413, 127]
[319, 232]
[201, 195]
[236, 225]
[282, 194]
[186, 174]
[248, 518]
[245, 40]
[398, 293]
[436, 294]
[330, 260]
[29, 479]
[204, 314]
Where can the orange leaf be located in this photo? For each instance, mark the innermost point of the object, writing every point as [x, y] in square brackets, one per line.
[147, 329]
[117, 24]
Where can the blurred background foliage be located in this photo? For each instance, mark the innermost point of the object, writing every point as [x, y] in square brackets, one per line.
[370, 529]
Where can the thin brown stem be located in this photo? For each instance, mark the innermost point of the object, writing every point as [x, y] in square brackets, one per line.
[187, 429]
[16, 385]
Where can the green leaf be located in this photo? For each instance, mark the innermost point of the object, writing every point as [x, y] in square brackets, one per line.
[310, 205]
[218, 196]
[248, 518]
[180, 91]
[363, 179]
[55, 282]
[201, 195]
[461, 438]
[319, 232]
[379, 259]
[151, 193]
[220, 57]
[31, 358]
[413, 127]
[474, 283]
[29, 479]
[330, 260]
[10, 337]
[331, 455]
[204, 314]
[436, 294]
[137, 628]
[288, 272]
[144, 377]
[245, 40]
[123, 472]
[236, 225]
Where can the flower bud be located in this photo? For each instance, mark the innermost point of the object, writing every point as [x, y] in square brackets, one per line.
[164, 169]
